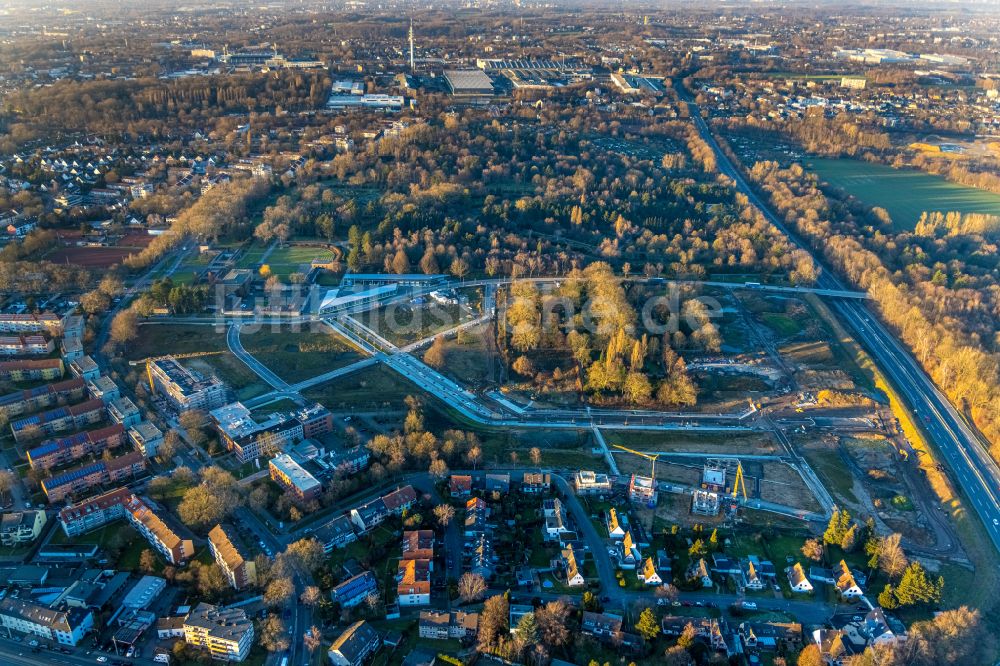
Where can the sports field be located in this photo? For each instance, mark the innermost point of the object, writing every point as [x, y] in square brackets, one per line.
[284, 260]
[904, 193]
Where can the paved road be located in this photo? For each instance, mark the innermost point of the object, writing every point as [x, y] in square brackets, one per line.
[262, 371]
[972, 467]
[301, 617]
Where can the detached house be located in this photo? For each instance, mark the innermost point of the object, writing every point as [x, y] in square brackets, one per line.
[798, 580]
[847, 586]
[573, 576]
[615, 528]
[699, 571]
[648, 574]
[630, 555]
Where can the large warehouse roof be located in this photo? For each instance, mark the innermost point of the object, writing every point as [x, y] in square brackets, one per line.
[468, 82]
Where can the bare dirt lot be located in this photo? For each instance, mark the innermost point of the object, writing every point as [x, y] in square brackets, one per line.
[727, 444]
[91, 257]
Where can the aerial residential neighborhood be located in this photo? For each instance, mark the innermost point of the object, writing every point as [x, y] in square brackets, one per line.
[556, 334]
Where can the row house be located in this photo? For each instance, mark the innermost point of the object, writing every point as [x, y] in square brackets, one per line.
[373, 513]
[476, 514]
[535, 483]
[444, 625]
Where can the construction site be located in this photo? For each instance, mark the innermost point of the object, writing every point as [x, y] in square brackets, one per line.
[717, 487]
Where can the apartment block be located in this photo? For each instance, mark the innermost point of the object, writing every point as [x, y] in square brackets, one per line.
[67, 627]
[46, 369]
[75, 481]
[85, 368]
[227, 633]
[147, 438]
[294, 478]
[26, 345]
[184, 388]
[55, 421]
[64, 450]
[41, 397]
[232, 557]
[125, 412]
[47, 322]
[94, 513]
[159, 530]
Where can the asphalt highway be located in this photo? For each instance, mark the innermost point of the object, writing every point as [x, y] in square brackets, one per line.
[970, 464]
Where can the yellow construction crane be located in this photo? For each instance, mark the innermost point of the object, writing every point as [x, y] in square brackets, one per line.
[738, 483]
[648, 456]
[151, 359]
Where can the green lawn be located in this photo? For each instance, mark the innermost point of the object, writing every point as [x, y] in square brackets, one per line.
[904, 193]
[372, 387]
[298, 355]
[781, 323]
[160, 339]
[402, 324]
[295, 259]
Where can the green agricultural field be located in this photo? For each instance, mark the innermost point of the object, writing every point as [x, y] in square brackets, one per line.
[904, 193]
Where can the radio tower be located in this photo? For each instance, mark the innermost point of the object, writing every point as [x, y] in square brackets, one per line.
[411, 45]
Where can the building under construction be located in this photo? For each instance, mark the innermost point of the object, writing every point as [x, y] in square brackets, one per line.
[718, 473]
[705, 503]
[642, 490]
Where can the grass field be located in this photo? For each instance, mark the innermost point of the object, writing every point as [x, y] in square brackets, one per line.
[905, 194]
[295, 259]
[160, 339]
[298, 355]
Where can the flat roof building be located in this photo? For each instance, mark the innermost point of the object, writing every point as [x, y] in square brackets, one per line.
[227, 633]
[147, 438]
[250, 438]
[294, 477]
[468, 82]
[185, 388]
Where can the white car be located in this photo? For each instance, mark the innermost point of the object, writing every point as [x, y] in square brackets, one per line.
[102, 659]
